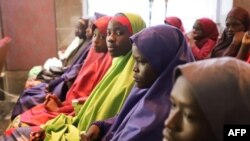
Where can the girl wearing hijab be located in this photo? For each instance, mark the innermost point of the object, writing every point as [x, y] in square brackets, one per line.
[203, 38]
[110, 93]
[157, 50]
[176, 22]
[96, 65]
[201, 106]
[237, 22]
[244, 52]
[59, 86]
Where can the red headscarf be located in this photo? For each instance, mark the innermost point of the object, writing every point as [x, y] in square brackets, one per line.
[209, 27]
[124, 21]
[241, 14]
[102, 24]
[223, 43]
[92, 71]
[175, 21]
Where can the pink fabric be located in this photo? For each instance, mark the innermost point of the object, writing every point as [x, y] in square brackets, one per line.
[210, 28]
[92, 71]
[124, 21]
[204, 47]
[176, 22]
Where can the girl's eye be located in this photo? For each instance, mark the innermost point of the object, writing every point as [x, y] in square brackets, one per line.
[189, 116]
[118, 32]
[173, 105]
[101, 37]
[108, 33]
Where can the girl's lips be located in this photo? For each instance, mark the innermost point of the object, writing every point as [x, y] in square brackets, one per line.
[136, 79]
[111, 48]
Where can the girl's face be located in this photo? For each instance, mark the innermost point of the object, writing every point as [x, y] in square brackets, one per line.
[80, 29]
[233, 25]
[99, 41]
[89, 32]
[144, 73]
[186, 121]
[118, 39]
[198, 32]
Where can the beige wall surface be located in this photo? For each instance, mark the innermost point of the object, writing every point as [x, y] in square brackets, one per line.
[242, 3]
[67, 14]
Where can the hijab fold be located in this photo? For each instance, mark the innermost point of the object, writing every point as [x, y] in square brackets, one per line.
[145, 110]
[227, 89]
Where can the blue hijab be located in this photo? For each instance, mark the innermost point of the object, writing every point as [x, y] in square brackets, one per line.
[143, 115]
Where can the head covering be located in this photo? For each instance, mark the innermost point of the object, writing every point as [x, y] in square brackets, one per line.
[143, 115]
[98, 15]
[175, 21]
[209, 27]
[36, 95]
[241, 14]
[222, 44]
[92, 71]
[102, 24]
[224, 82]
[109, 95]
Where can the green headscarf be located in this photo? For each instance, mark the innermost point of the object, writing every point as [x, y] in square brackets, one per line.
[106, 99]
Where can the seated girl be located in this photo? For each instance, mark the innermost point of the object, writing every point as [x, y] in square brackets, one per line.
[244, 52]
[37, 90]
[206, 96]
[157, 50]
[96, 65]
[176, 22]
[110, 93]
[237, 22]
[203, 38]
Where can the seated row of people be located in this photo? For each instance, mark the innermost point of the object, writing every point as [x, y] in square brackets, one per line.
[203, 38]
[113, 106]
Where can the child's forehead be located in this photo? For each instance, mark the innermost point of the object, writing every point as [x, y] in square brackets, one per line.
[183, 93]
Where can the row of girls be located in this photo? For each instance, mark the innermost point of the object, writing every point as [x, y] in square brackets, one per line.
[124, 89]
[204, 39]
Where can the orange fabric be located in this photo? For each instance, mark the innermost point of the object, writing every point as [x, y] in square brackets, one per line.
[94, 68]
[124, 21]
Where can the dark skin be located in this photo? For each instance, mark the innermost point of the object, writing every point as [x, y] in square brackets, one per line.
[52, 103]
[245, 46]
[79, 32]
[89, 32]
[196, 34]
[118, 39]
[186, 121]
[234, 29]
[99, 41]
[233, 25]
[80, 29]
[144, 75]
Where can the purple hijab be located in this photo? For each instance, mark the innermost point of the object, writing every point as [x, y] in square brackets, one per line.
[143, 115]
[36, 95]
